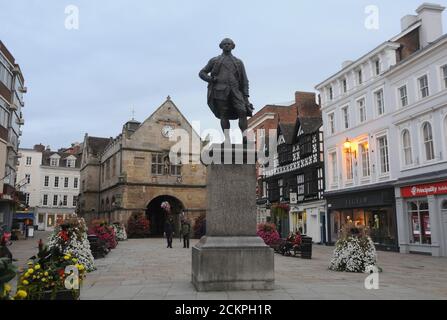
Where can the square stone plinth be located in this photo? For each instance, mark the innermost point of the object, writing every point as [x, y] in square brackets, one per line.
[232, 263]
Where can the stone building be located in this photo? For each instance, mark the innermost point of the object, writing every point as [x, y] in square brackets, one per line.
[133, 173]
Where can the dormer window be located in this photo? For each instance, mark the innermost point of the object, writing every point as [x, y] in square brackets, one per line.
[54, 160]
[71, 162]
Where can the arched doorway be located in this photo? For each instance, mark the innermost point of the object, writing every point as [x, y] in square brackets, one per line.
[157, 216]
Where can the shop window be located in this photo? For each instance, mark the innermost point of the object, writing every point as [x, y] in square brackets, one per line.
[41, 218]
[444, 205]
[51, 220]
[419, 222]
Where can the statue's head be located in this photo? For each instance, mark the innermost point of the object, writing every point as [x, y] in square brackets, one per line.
[227, 45]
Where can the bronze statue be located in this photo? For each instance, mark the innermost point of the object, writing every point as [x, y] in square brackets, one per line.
[228, 90]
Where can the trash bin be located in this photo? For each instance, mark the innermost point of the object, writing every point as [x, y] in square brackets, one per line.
[306, 247]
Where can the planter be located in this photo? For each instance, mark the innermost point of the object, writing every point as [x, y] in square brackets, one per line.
[59, 295]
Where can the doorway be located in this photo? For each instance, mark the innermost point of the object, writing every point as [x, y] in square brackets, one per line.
[158, 216]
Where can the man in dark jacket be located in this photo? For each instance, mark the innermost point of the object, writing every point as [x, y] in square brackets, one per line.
[228, 89]
[169, 231]
[186, 231]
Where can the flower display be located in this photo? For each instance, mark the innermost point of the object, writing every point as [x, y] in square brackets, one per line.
[166, 206]
[268, 233]
[71, 237]
[47, 274]
[104, 232]
[138, 226]
[120, 231]
[354, 251]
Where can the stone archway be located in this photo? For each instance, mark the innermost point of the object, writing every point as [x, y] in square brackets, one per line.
[157, 216]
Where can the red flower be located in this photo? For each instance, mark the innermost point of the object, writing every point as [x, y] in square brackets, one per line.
[61, 272]
[64, 235]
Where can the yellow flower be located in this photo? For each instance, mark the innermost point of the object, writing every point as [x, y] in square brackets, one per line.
[74, 260]
[30, 263]
[44, 279]
[34, 277]
[46, 274]
[25, 282]
[80, 267]
[37, 267]
[26, 275]
[66, 257]
[7, 288]
[21, 294]
[30, 271]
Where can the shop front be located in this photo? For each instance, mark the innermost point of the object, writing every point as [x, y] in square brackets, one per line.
[310, 220]
[422, 218]
[373, 209]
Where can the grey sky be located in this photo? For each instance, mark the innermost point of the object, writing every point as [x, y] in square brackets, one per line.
[135, 53]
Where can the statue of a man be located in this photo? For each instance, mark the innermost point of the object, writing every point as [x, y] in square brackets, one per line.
[228, 90]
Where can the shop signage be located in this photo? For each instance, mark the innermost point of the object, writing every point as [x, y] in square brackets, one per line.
[293, 198]
[424, 190]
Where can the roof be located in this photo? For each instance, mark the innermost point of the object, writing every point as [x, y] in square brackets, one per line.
[288, 131]
[310, 124]
[47, 154]
[97, 145]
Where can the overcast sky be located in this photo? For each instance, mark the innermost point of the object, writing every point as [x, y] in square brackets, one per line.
[133, 54]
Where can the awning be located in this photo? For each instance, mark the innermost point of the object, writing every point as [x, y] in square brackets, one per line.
[23, 215]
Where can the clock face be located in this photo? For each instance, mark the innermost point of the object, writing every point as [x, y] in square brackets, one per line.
[167, 131]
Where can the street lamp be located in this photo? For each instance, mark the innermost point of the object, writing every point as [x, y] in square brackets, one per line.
[348, 148]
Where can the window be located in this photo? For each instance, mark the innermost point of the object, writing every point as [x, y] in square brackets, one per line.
[344, 85]
[382, 143]
[428, 141]
[4, 115]
[406, 144]
[311, 183]
[444, 76]
[300, 187]
[71, 163]
[157, 164]
[377, 67]
[27, 198]
[345, 112]
[349, 172]
[55, 200]
[5, 73]
[359, 77]
[419, 222]
[176, 170]
[46, 181]
[66, 182]
[364, 153]
[333, 168]
[380, 105]
[45, 200]
[65, 201]
[54, 162]
[362, 110]
[75, 201]
[28, 178]
[331, 93]
[423, 86]
[331, 120]
[403, 95]
[28, 161]
[75, 183]
[305, 144]
[281, 189]
[56, 182]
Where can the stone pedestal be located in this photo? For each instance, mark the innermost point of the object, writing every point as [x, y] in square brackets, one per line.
[231, 256]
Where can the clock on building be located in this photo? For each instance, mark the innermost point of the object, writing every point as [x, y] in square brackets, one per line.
[167, 131]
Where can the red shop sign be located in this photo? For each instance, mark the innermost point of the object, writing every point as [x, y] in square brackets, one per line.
[424, 190]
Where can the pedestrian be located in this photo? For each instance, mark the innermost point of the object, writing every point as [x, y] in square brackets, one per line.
[186, 231]
[169, 231]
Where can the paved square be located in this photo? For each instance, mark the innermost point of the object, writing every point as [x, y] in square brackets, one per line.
[147, 270]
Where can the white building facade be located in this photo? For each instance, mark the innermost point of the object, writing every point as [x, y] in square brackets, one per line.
[381, 115]
[51, 182]
[28, 176]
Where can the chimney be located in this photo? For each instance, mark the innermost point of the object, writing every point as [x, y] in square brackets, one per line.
[306, 103]
[431, 17]
[39, 147]
[407, 21]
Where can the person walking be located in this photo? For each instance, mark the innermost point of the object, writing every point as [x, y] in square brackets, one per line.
[186, 231]
[169, 231]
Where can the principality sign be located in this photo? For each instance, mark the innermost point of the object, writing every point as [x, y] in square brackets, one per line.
[424, 190]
